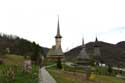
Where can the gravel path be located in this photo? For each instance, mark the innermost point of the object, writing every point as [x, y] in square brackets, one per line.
[45, 77]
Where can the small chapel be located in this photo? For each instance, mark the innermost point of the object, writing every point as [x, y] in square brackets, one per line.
[83, 58]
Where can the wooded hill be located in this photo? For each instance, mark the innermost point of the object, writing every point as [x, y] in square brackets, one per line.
[113, 54]
[16, 45]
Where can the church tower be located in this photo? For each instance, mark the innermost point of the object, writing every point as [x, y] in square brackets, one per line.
[83, 57]
[97, 48]
[97, 52]
[56, 51]
[58, 37]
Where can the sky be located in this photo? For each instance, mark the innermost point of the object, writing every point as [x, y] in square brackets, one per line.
[36, 20]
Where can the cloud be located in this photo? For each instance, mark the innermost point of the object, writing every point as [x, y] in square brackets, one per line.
[119, 29]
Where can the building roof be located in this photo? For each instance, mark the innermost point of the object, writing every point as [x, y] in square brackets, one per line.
[83, 54]
[55, 52]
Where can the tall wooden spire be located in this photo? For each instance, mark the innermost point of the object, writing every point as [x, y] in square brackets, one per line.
[96, 42]
[83, 45]
[58, 30]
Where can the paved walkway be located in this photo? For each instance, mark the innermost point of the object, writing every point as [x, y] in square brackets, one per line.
[69, 64]
[45, 77]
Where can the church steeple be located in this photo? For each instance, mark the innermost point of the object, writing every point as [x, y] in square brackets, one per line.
[97, 51]
[58, 30]
[96, 42]
[58, 36]
[83, 45]
[56, 53]
[83, 58]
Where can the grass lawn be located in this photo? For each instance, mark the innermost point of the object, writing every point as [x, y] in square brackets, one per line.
[13, 59]
[50, 62]
[71, 77]
[64, 77]
[59, 77]
[14, 63]
[110, 79]
[20, 76]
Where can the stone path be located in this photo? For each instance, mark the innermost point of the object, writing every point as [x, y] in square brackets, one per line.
[45, 77]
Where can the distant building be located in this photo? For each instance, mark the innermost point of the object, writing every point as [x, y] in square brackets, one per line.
[56, 51]
[83, 58]
[97, 48]
[97, 52]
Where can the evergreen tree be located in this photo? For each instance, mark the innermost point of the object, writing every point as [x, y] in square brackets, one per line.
[109, 69]
[35, 54]
[59, 64]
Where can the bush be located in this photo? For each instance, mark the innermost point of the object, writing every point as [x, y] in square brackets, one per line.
[92, 76]
[1, 61]
[59, 64]
[110, 70]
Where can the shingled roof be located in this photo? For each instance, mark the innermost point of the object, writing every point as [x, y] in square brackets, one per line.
[54, 51]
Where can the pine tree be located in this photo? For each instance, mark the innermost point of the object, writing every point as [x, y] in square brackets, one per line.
[35, 54]
[59, 64]
[109, 69]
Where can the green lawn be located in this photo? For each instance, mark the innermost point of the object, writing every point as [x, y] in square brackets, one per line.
[69, 76]
[59, 77]
[14, 63]
[110, 79]
[13, 59]
[47, 63]
[20, 76]
[62, 77]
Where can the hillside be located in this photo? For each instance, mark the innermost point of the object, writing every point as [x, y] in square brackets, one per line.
[13, 59]
[113, 54]
[19, 46]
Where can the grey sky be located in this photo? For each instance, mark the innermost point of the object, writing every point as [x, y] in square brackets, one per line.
[36, 20]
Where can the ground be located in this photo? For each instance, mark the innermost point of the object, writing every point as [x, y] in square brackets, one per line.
[69, 76]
